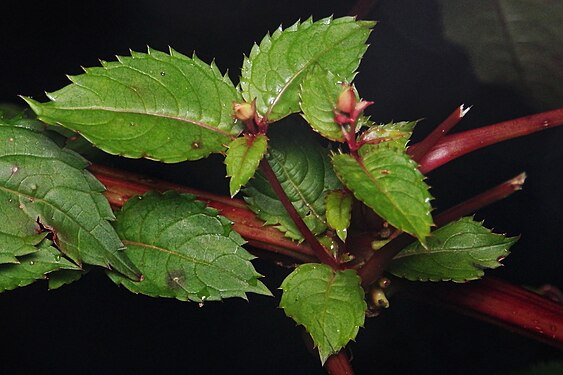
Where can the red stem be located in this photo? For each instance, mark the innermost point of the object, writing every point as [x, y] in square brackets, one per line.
[315, 245]
[339, 364]
[498, 302]
[362, 8]
[422, 148]
[453, 146]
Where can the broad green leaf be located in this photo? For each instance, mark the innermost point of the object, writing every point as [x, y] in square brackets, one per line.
[159, 106]
[339, 211]
[33, 267]
[459, 251]
[319, 93]
[514, 43]
[388, 182]
[43, 187]
[184, 249]
[393, 135]
[329, 304]
[275, 68]
[303, 169]
[242, 160]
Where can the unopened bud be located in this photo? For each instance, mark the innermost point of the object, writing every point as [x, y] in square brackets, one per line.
[346, 101]
[378, 298]
[244, 111]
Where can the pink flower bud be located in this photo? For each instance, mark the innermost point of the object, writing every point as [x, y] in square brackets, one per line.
[346, 100]
[244, 111]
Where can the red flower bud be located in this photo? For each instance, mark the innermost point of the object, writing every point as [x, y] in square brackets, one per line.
[346, 100]
[244, 111]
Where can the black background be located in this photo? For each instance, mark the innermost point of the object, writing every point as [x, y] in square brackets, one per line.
[410, 71]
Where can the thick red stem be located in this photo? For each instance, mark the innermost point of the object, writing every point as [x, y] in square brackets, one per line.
[498, 302]
[453, 146]
[422, 148]
[339, 364]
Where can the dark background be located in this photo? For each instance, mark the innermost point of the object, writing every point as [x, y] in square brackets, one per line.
[411, 71]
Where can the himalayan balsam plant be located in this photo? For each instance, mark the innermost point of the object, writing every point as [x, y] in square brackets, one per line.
[350, 196]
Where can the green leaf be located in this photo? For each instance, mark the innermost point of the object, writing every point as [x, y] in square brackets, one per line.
[242, 160]
[160, 106]
[64, 277]
[514, 43]
[33, 267]
[459, 251]
[388, 181]
[43, 187]
[339, 212]
[329, 304]
[184, 250]
[319, 93]
[275, 69]
[303, 169]
[393, 135]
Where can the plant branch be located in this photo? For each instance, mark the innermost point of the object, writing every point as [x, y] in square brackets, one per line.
[319, 250]
[339, 364]
[373, 269]
[453, 146]
[122, 185]
[422, 148]
[498, 302]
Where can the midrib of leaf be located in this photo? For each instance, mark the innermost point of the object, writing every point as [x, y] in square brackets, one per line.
[380, 188]
[296, 188]
[288, 83]
[154, 114]
[177, 254]
[443, 249]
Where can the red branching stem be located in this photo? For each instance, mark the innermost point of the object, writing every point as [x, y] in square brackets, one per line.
[453, 146]
[479, 201]
[319, 250]
[339, 364]
[422, 148]
[498, 302]
[122, 185]
[373, 269]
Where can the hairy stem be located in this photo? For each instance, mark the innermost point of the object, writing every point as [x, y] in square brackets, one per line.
[453, 146]
[319, 250]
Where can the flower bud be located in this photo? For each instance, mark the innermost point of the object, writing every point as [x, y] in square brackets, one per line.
[244, 111]
[346, 101]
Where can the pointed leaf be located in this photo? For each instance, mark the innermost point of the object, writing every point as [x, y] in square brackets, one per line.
[319, 93]
[339, 212]
[329, 304]
[160, 106]
[184, 250]
[388, 182]
[242, 160]
[41, 183]
[64, 277]
[33, 267]
[304, 171]
[393, 135]
[275, 69]
[459, 251]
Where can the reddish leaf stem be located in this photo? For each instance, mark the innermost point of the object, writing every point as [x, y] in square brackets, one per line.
[319, 250]
[453, 146]
[422, 148]
[339, 364]
[498, 302]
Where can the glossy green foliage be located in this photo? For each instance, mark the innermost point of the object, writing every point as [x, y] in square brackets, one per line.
[275, 68]
[45, 188]
[319, 94]
[339, 211]
[303, 169]
[388, 182]
[184, 250]
[155, 105]
[393, 135]
[459, 251]
[242, 159]
[329, 304]
[35, 266]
